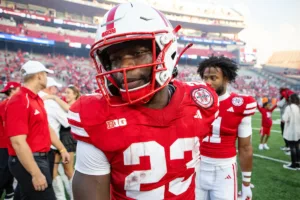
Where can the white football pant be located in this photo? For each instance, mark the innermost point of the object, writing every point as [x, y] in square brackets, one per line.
[216, 182]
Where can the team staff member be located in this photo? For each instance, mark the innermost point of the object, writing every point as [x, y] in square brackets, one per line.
[6, 178]
[57, 118]
[27, 126]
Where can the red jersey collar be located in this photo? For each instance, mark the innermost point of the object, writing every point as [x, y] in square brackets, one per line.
[31, 93]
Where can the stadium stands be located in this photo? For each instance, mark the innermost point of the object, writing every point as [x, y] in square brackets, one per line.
[38, 21]
[247, 82]
[41, 22]
[80, 72]
[72, 70]
[285, 60]
[285, 67]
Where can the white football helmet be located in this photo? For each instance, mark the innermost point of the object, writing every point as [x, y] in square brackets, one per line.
[129, 22]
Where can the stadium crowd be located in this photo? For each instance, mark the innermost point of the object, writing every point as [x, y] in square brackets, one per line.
[78, 71]
[73, 70]
[254, 86]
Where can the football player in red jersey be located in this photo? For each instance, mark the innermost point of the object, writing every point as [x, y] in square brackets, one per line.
[218, 152]
[140, 139]
[266, 124]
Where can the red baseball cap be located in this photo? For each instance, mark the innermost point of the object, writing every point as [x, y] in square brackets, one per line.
[10, 85]
[286, 93]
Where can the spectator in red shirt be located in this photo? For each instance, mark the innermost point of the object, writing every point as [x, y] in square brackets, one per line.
[266, 124]
[6, 178]
[30, 136]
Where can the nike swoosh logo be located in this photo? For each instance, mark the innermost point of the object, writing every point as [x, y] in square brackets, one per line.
[146, 19]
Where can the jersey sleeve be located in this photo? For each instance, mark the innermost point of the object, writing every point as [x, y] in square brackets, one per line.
[212, 112]
[207, 101]
[91, 160]
[16, 117]
[245, 127]
[61, 116]
[250, 106]
[75, 120]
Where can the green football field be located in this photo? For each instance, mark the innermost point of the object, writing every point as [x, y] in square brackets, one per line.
[271, 181]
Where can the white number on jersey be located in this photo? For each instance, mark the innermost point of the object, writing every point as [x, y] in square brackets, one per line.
[215, 138]
[158, 169]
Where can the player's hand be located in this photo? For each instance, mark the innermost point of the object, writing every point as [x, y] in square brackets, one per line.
[65, 157]
[39, 182]
[246, 192]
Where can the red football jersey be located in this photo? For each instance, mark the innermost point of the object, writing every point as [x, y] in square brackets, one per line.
[152, 152]
[221, 143]
[266, 115]
[3, 138]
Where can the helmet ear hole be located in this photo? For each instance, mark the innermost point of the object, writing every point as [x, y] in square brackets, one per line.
[173, 55]
[175, 72]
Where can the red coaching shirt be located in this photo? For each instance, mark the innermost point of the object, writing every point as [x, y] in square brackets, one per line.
[25, 114]
[3, 137]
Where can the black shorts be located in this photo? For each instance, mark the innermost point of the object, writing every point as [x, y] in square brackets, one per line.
[6, 178]
[25, 179]
[67, 139]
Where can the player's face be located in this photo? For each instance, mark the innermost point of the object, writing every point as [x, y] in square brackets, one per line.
[214, 77]
[129, 56]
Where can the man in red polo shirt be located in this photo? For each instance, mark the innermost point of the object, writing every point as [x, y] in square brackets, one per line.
[6, 178]
[27, 127]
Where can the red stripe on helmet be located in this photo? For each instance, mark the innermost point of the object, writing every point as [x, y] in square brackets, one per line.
[111, 17]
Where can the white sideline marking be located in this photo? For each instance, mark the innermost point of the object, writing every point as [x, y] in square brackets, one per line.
[269, 158]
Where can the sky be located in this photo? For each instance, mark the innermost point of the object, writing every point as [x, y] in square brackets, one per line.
[271, 25]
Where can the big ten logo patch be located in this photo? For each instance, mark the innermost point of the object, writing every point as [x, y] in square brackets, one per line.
[116, 123]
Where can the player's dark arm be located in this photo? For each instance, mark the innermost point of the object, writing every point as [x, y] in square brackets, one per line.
[245, 155]
[91, 187]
